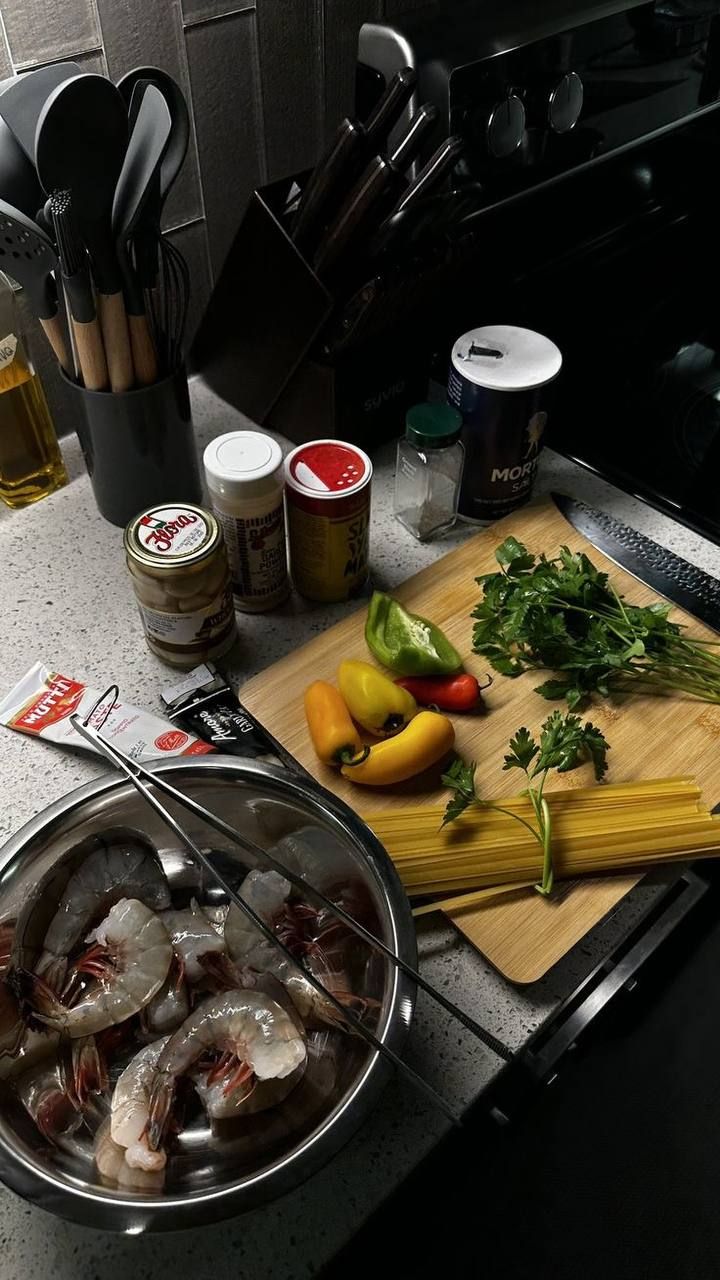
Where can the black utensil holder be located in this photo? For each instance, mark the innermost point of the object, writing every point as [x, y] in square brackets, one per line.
[139, 446]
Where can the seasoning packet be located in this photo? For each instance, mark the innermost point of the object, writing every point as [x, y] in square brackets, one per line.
[204, 703]
[43, 701]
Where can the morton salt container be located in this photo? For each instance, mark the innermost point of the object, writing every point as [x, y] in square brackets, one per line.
[496, 376]
[327, 491]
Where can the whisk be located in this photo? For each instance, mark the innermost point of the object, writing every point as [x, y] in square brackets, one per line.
[167, 299]
[139, 776]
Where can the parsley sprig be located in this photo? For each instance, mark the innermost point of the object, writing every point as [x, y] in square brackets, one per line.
[564, 615]
[565, 742]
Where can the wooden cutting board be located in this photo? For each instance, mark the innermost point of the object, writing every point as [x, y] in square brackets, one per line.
[520, 933]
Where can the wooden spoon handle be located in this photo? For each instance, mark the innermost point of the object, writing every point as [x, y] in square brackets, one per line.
[116, 337]
[143, 350]
[56, 337]
[91, 354]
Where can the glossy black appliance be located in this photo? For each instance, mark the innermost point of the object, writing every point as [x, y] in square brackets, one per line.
[592, 155]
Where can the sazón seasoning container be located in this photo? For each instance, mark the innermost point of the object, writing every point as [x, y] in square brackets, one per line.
[178, 564]
[327, 491]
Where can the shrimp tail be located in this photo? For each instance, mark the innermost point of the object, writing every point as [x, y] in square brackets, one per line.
[39, 1005]
[221, 970]
[162, 1097]
[54, 973]
[88, 1068]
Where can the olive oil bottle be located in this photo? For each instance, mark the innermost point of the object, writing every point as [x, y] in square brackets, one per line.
[31, 464]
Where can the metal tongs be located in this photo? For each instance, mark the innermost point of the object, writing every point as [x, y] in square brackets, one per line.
[139, 776]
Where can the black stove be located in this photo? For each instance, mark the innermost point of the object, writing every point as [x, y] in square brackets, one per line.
[603, 235]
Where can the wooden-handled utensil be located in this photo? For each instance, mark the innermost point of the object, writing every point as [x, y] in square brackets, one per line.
[79, 293]
[80, 145]
[138, 178]
[28, 255]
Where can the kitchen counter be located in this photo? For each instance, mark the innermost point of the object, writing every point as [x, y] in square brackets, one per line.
[65, 598]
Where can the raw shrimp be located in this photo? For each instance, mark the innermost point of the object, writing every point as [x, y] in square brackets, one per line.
[266, 892]
[192, 936]
[115, 867]
[49, 1099]
[130, 958]
[56, 1093]
[247, 1028]
[223, 1102]
[115, 1170]
[312, 1006]
[130, 1109]
[169, 1007]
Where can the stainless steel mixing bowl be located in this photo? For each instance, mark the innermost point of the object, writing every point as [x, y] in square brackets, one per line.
[213, 1174]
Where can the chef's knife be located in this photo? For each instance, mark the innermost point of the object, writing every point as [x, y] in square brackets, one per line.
[382, 178]
[352, 146]
[672, 577]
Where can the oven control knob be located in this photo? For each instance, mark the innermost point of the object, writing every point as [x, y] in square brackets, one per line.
[500, 128]
[562, 103]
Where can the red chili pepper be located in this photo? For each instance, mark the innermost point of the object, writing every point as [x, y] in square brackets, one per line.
[448, 693]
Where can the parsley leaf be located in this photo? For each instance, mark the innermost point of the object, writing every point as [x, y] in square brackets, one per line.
[563, 615]
[565, 742]
[460, 778]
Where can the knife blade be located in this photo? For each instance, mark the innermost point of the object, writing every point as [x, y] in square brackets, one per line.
[680, 582]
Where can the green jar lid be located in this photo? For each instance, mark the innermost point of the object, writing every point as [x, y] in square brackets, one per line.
[433, 426]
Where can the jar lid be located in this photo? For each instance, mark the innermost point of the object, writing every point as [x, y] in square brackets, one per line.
[433, 426]
[237, 462]
[327, 468]
[172, 536]
[502, 357]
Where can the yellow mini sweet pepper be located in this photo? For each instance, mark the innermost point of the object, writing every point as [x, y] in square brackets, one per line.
[427, 738]
[373, 699]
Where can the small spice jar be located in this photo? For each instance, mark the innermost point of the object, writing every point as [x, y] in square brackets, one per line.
[244, 475]
[327, 492]
[429, 470]
[180, 575]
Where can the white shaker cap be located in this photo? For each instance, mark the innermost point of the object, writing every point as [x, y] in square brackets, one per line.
[516, 359]
[242, 464]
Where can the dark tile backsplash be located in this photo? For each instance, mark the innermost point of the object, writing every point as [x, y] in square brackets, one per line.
[267, 81]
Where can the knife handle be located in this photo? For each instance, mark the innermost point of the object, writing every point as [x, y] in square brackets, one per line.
[330, 171]
[411, 143]
[414, 207]
[439, 164]
[354, 213]
[389, 108]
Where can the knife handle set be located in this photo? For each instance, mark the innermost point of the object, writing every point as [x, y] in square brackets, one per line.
[343, 283]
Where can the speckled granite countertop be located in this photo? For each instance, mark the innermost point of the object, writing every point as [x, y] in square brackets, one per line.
[65, 598]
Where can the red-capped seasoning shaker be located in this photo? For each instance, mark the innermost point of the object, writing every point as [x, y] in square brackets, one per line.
[327, 491]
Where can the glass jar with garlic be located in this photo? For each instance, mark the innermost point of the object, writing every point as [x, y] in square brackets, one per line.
[179, 569]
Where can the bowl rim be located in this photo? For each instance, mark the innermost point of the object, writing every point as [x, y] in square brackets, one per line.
[107, 1210]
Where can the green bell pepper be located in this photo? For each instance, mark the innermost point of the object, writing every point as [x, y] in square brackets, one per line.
[407, 643]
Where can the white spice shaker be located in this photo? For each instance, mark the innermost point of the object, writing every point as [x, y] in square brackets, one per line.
[243, 470]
